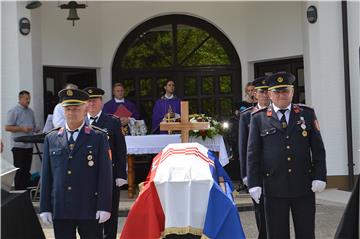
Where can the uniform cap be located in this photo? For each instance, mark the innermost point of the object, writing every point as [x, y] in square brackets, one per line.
[280, 80]
[260, 83]
[94, 92]
[72, 97]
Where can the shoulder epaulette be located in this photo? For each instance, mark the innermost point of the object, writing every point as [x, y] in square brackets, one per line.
[52, 130]
[114, 116]
[259, 110]
[247, 110]
[305, 106]
[98, 129]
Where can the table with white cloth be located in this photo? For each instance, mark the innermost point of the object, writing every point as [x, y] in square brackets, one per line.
[153, 144]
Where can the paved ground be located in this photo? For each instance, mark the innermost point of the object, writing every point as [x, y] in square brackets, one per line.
[330, 207]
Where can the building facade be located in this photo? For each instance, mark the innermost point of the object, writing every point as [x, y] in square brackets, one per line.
[259, 32]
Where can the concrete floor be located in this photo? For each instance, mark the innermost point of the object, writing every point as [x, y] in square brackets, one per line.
[329, 210]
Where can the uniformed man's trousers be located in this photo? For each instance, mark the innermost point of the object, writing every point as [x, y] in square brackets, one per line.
[111, 225]
[22, 160]
[87, 229]
[277, 214]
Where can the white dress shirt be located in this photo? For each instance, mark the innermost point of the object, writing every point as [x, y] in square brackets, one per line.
[58, 119]
[76, 134]
[96, 116]
[279, 114]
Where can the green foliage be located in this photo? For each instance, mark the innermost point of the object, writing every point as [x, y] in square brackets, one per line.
[155, 48]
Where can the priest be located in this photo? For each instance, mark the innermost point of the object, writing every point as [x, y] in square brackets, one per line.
[168, 107]
[121, 107]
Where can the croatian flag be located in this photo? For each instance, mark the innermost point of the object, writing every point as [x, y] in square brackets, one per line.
[182, 195]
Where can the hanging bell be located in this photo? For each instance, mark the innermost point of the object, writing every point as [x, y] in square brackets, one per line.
[73, 16]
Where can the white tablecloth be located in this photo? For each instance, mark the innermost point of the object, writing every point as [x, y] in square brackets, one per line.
[153, 144]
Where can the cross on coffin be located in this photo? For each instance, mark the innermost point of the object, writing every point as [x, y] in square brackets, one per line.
[184, 125]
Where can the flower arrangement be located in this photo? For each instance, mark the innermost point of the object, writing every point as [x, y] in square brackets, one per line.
[214, 129]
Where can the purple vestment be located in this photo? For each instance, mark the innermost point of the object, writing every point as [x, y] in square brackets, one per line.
[111, 106]
[161, 107]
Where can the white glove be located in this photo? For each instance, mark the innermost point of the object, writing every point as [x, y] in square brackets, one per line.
[255, 193]
[245, 181]
[103, 216]
[120, 181]
[318, 186]
[46, 218]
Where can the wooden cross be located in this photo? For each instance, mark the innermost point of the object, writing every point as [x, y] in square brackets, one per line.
[184, 125]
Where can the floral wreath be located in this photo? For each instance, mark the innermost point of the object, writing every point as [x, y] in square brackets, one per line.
[215, 127]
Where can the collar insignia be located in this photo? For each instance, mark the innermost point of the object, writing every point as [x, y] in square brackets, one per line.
[61, 131]
[87, 130]
[269, 112]
[296, 109]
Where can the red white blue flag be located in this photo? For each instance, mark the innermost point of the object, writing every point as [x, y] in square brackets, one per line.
[182, 195]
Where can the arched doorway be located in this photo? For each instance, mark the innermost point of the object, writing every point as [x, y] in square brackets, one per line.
[194, 53]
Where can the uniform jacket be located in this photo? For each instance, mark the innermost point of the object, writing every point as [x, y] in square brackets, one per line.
[111, 124]
[244, 124]
[76, 184]
[285, 161]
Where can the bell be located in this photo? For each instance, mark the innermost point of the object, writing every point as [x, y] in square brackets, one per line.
[73, 16]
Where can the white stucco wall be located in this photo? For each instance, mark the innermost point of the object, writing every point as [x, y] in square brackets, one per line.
[244, 23]
[354, 56]
[257, 30]
[324, 81]
[16, 67]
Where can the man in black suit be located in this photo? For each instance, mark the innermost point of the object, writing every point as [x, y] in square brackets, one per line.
[286, 160]
[263, 101]
[111, 124]
[76, 175]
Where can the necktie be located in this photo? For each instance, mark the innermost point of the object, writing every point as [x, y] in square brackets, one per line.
[71, 140]
[283, 119]
[93, 120]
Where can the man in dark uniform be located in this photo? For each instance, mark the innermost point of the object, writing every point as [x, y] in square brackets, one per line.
[111, 124]
[286, 161]
[261, 94]
[76, 180]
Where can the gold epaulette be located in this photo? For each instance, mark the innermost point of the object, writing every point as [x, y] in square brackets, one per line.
[114, 116]
[99, 129]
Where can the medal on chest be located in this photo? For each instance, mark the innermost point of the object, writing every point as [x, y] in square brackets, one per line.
[89, 157]
[303, 126]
